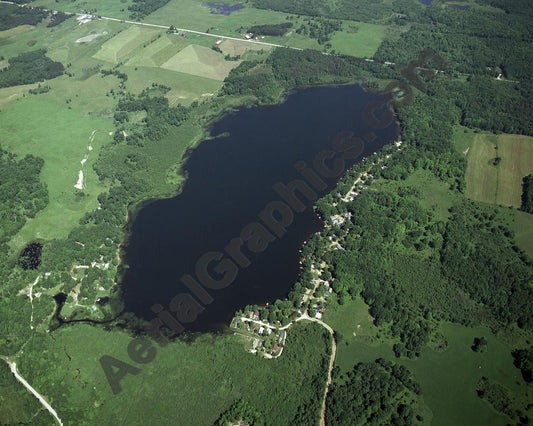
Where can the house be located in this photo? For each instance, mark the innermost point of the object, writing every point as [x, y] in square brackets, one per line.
[275, 348]
[218, 42]
[261, 330]
[318, 315]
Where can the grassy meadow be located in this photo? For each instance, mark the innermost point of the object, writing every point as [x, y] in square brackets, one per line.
[448, 379]
[205, 376]
[493, 182]
[523, 230]
[61, 137]
[362, 43]
[115, 9]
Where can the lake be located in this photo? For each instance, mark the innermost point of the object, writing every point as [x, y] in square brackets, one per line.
[230, 182]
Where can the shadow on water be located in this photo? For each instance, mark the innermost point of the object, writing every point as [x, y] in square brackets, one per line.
[230, 182]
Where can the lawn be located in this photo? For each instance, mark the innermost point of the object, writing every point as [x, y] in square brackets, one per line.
[60, 136]
[502, 183]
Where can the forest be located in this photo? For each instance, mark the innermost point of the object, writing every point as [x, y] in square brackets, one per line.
[527, 194]
[12, 16]
[377, 392]
[141, 8]
[473, 42]
[30, 67]
[357, 10]
[270, 29]
[21, 192]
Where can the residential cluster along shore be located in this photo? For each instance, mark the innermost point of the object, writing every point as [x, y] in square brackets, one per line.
[264, 329]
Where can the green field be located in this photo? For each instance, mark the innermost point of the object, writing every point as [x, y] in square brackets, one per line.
[363, 43]
[448, 379]
[115, 9]
[502, 183]
[126, 43]
[193, 382]
[185, 88]
[200, 61]
[523, 230]
[60, 136]
[159, 51]
[191, 15]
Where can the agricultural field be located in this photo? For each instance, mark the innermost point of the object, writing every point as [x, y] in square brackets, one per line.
[496, 167]
[185, 88]
[362, 43]
[126, 43]
[523, 230]
[61, 137]
[200, 61]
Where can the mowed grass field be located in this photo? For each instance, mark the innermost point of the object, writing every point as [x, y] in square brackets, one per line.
[363, 43]
[502, 183]
[60, 136]
[125, 43]
[200, 61]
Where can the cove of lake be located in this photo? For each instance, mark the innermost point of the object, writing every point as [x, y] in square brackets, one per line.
[230, 181]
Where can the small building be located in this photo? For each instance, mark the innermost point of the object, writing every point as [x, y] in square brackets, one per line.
[318, 315]
[218, 42]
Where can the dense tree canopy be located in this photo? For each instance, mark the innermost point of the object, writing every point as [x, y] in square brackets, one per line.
[374, 393]
[30, 67]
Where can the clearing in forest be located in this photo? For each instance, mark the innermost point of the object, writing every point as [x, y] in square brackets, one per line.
[496, 167]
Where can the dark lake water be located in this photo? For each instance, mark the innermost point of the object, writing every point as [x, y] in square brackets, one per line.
[230, 181]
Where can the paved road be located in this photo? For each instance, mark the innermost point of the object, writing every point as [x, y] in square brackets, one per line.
[186, 30]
